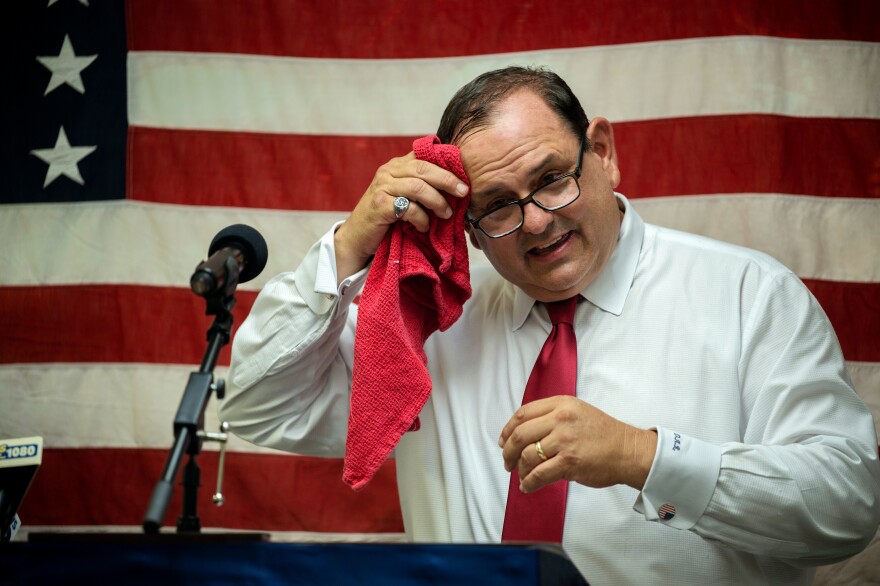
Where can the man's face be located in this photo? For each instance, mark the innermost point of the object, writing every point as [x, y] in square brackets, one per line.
[554, 255]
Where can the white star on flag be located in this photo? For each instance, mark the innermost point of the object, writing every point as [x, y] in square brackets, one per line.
[83, 2]
[66, 67]
[63, 159]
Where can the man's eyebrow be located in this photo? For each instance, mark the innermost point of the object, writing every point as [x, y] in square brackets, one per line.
[542, 165]
[537, 169]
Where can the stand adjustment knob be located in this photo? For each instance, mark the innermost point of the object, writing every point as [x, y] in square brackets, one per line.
[219, 387]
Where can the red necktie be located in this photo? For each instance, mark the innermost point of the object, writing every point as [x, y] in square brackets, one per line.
[540, 516]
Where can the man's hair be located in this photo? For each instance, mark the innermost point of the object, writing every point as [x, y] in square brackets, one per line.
[473, 106]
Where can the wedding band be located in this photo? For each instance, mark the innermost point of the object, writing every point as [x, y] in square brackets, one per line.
[401, 204]
[540, 451]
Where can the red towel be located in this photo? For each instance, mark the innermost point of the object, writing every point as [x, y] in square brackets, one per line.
[417, 284]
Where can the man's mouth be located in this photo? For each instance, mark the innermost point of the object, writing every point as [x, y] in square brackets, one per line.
[551, 246]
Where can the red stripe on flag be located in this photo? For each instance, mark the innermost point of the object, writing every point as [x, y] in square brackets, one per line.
[719, 154]
[825, 157]
[282, 171]
[269, 492]
[376, 29]
[854, 311]
[106, 323]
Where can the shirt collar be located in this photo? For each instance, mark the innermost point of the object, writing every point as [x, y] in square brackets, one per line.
[609, 289]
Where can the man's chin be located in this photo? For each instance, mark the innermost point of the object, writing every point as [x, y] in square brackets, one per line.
[554, 289]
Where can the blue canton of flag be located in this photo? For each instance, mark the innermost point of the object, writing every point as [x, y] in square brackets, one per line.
[65, 117]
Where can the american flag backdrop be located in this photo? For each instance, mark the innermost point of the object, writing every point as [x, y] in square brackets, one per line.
[134, 131]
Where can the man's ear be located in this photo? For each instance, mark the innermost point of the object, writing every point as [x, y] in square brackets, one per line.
[601, 137]
[472, 234]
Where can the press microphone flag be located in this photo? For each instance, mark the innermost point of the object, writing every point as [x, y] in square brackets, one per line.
[19, 460]
[237, 254]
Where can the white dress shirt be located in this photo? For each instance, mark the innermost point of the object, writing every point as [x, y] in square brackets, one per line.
[765, 452]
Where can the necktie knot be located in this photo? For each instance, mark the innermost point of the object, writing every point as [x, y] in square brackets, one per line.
[562, 311]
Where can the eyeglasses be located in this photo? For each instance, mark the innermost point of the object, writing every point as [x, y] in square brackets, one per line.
[506, 216]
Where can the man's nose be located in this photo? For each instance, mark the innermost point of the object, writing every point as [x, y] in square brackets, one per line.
[535, 219]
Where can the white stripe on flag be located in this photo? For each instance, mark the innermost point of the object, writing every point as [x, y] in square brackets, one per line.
[160, 245]
[817, 238]
[142, 243]
[76, 405]
[691, 77]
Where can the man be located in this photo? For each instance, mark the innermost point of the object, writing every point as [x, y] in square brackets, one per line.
[714, 435]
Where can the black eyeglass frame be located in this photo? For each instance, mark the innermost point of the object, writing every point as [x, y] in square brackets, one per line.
[530, 198]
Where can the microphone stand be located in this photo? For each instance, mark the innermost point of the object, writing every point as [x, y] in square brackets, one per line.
[191, 414]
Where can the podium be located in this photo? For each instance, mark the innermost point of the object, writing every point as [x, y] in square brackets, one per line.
[176, 561]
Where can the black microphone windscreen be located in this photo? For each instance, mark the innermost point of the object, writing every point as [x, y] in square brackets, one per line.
[250, 242]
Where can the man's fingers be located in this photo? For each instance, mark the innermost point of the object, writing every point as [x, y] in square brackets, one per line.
[526, 413]
[438, 177]
[522, 439]
[425, 194]
[535, 471]
[419, 181]
[533, 455]
[543, 474]
[416, 216]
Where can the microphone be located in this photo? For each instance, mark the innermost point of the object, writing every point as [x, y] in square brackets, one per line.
[237, 254]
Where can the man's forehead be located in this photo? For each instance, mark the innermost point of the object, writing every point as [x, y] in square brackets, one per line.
[521, 110]
[510, 112]
[484, 187]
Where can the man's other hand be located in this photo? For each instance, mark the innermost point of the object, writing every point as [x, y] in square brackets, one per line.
[580, 443]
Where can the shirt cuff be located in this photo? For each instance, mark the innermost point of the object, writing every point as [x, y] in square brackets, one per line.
[316, 277]
[681, 481]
